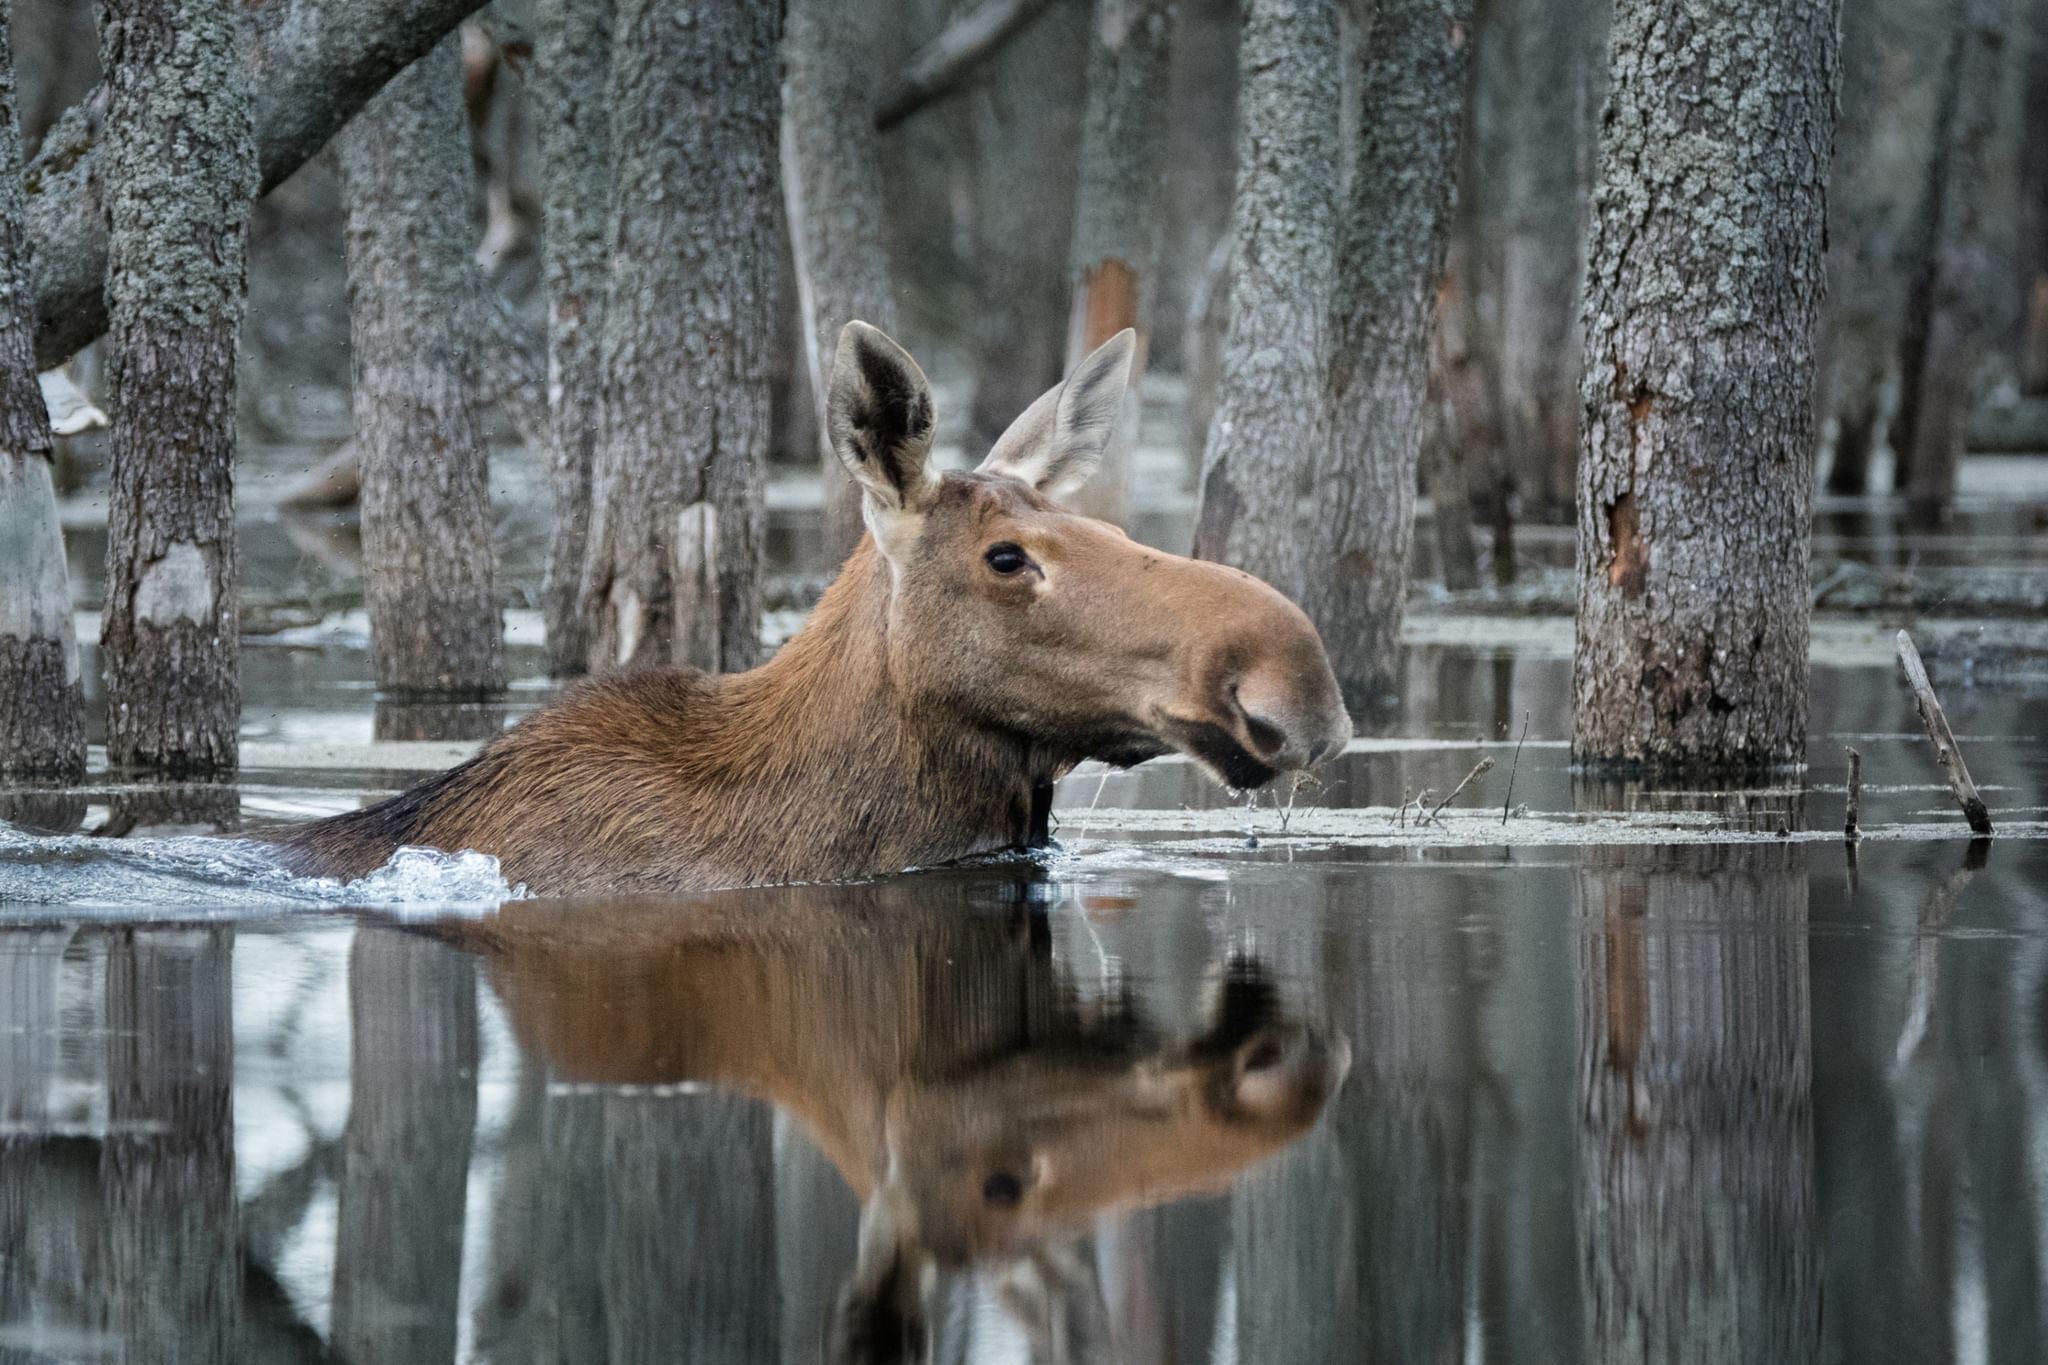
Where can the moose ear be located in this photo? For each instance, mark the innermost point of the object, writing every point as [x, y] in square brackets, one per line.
[883, 1313]
[878, 413]
[1058, 441]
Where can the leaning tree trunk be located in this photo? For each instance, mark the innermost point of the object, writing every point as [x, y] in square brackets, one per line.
[42, 727]
[407, 180]
[832, 186]
[1543, 265]
[672, 572]
[1389, 264]
[1117, 211]
[1270, 404]
[571, 66]
[1703, 291]
[180, 176]
[1965, 297]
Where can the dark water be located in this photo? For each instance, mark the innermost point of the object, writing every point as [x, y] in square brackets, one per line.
[1709, 1103]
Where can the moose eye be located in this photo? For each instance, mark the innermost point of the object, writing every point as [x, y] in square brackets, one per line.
[1007, 559]
[1002, 1190]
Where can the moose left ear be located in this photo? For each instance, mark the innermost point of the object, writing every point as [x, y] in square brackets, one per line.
[878, 412]
[1057, 442]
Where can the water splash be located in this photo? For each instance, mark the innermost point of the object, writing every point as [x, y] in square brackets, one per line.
[204, 877]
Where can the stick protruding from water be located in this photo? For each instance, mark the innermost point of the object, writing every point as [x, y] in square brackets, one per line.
[1945, 751]
[1852, 815]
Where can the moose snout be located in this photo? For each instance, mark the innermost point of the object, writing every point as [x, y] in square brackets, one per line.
[1292, 712]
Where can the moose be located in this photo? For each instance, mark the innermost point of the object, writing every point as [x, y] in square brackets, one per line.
[923, 1035]
[978, 644]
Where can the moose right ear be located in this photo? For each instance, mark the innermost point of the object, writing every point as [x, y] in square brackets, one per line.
[878, 414]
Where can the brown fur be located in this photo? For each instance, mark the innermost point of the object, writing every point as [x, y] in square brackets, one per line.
[910, 721]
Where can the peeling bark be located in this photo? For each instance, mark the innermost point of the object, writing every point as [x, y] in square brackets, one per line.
[571, 69]
[407, 179]
[180, 176]
[1390, 260]
[832, 188]
[1271, 405]
[1703, 294]
[42, 726]
[688, 323]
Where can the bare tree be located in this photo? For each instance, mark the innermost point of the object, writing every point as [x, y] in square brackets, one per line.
[1117, 210]
[408, 181]
[1963, 298]
[832, 189]
[672, 569]
[180, 176]
[1389, 265]
[1703, 293]
[42, 727]
[571, 69]
[1271, 406]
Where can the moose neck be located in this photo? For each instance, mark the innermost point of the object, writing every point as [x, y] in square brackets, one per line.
[831, 762]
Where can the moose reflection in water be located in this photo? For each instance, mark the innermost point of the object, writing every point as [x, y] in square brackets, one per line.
[981, 1116]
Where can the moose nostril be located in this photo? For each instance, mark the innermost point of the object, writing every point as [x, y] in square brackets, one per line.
[1318, 749]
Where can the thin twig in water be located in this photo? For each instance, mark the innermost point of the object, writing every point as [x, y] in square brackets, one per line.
[1512, 766]
[1853, 813]
[1403, 815]
[1945, 751]
[1479, 769]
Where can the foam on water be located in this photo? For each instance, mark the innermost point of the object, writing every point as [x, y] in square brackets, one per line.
[204, 877]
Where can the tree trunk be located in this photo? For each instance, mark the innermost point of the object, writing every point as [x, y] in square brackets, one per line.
[1270, 406]
[1201, 151]
[309, 67]
[168, 1164]
[42, 727]
[1117, 211]
[2033, 212]
[405, 1154]
[1961, 304]
[687, 328]
[1697, 1177]
[1703, 290]
[1884, 137]
[1389, 264]
[1543, 266]
[832, 186]
[571, 68]
[1027, 127]
[408, 181]
[180, 176]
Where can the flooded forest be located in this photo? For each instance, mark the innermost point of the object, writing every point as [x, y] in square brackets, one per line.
[1188, 682]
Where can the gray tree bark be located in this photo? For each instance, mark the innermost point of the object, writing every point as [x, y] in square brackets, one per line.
[1026, 131]
[42, 727]
[572, 67]
[407, 180]
[1543, 265]
[1703, 292]
[180, 176]
[687, 325]
[1390, 259]
[309, 68]
[1272, 403]
[1964, 300]
[1117, 212]
[1696, 1206]
[1201, 150]
[405, 1154]
[832, 189]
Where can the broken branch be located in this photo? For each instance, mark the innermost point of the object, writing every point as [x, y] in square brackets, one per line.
[1945, 751]
[1855, 807]
[1479, 769]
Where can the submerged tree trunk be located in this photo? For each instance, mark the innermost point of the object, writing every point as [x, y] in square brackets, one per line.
[407, 179]
[1543, 265]
[1961, 303]
[571, 66]
[306, 77]
[687, 327]
[42, 727]
[832, 186]
[1117, 212]
[180, 176]
[1027, 127]
[1703, 291]
[1389, 265]
[1270, 406]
